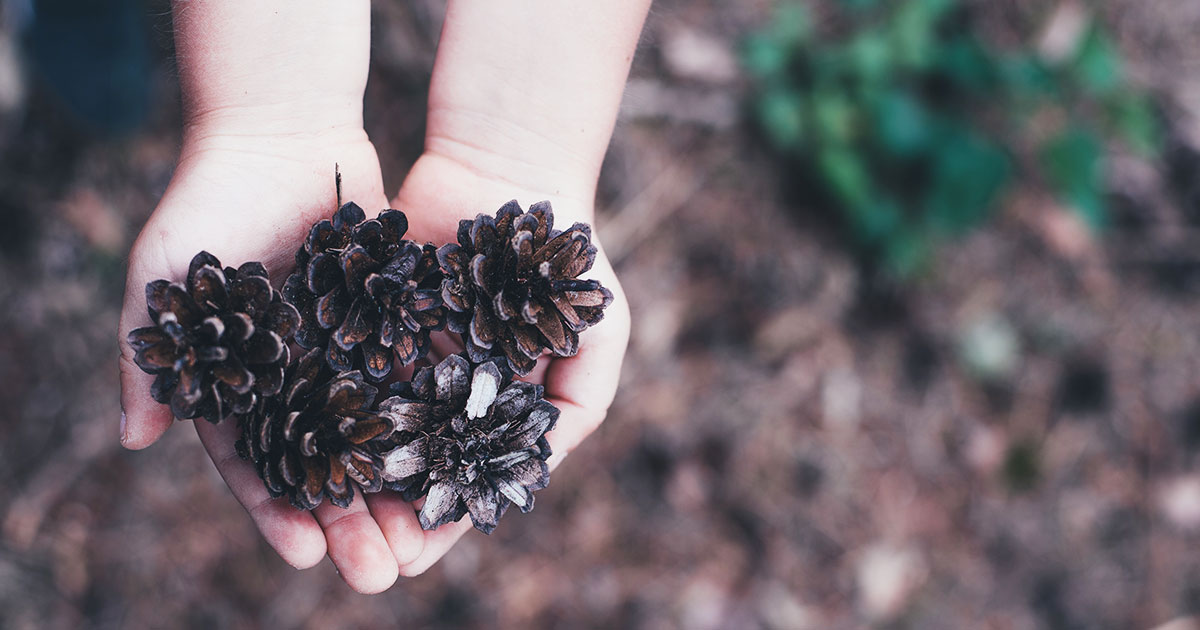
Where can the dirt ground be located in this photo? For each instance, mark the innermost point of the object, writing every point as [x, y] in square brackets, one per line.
[1009, 441]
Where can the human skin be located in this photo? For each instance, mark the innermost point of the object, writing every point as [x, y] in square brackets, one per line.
[522, 104]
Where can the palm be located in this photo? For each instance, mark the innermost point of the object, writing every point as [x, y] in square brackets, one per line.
[242, 200]
[435, 196]
[240, 205]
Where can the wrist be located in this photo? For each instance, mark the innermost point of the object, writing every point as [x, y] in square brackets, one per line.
[299, 116]
[272, 68]
[498, 155]
[292, 140]
[534, 107]
[438, 191]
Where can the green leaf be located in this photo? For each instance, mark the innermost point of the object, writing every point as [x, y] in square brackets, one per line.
[879, 220]
[769, 52]
[968, 64]
[1027, 78]
[834, 116]
[1074, 164]
[860, 5]
[1097, 66]
[869, 57]
[765, 57]
[907, 252]
[968, 173]
[1132, 116]
[781, 114]
[912, 29]
[846, 175]
[792, 24]
[902, 123]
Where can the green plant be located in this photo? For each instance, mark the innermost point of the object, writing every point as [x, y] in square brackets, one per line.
[906, 123]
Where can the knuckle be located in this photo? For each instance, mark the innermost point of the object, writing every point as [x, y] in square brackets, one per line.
[407, 555]
[257, 509]
[414, 569]
[228, 461]
[345, 519]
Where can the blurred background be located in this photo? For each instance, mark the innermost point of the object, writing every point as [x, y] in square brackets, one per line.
[916, 338]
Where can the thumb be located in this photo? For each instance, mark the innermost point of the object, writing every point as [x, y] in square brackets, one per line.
[143, 420]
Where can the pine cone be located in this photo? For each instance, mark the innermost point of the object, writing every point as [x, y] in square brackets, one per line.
[315, 441]
[511, 285]
[364, 293]
[219, 343]
[469, 441]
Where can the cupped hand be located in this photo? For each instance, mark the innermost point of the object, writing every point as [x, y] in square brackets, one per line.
[246, 197]
[437, 193]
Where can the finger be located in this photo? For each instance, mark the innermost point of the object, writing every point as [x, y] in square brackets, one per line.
[575, 424]
[293, 533]
[143, 420]
[357, 546]
[538, 373]
[437, 543]
[398, 521]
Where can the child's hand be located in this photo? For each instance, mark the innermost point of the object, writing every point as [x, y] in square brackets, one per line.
[247, 198]
[437, 193]
[272, 98]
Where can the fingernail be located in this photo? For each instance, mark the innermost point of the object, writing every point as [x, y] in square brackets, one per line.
[123, 436]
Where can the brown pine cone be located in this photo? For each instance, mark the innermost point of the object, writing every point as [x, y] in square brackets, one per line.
[365, 293]
[511, 285]
[315, 440]
[219, 343]
[468, 439]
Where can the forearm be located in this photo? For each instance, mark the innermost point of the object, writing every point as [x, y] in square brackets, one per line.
[272, 67]
[527, 91]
